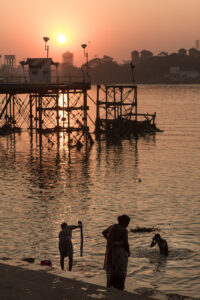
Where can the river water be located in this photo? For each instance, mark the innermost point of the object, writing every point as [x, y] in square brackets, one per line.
[154, 179]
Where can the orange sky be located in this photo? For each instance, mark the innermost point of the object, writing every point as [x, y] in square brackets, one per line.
[113, 27]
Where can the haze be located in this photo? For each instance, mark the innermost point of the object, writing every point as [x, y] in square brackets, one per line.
[113, 27]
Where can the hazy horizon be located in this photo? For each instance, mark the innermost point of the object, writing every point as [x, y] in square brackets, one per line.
[113, 28]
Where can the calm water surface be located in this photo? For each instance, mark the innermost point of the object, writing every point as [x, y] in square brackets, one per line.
[155, 180]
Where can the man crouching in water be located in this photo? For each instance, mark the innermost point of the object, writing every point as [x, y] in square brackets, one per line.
[65, 243]
[162, 244]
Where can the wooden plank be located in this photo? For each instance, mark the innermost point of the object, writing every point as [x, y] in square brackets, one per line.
[116, 103]
[68, 109]
[24, 88]
[67, 129]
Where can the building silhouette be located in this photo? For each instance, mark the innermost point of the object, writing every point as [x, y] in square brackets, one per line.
[68, 58]
[39, 69]
[10, 61]
[198, 44]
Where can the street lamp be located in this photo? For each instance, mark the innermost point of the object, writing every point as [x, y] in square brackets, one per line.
[23, 63]
[56, 65]
[84, 46]
[46, 48]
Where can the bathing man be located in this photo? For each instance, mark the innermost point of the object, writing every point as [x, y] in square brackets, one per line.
[162, 244]
[65, 243]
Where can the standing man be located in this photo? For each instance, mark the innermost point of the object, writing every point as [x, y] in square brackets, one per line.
[65, 243]
[117, 252]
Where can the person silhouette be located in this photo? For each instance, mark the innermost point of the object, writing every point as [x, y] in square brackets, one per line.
[65, 243]
[162, 244]
[117, 252]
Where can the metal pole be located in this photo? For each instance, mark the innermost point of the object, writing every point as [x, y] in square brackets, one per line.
[136, 111]
[114, 93]
[97, 110]
[57, 117]
[63, 96]
[85, 117]
[68, 117]
[31, 112]
[57, 110]
[40, 114]
[6, 109]
[36, 113]
[121, 100]
[13, 102]
[40, 124]
[106, 107]
[10, 109]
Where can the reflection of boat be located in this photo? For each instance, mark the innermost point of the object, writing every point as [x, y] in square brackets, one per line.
[7, 129]
[144, 229]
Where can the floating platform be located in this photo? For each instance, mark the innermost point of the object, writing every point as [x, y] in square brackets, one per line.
[117, 113]
[120, 128]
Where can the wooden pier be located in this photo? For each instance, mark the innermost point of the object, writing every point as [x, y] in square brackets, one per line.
[61, 110]
[47, 108]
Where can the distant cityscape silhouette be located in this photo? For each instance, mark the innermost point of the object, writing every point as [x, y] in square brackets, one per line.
[182, 66]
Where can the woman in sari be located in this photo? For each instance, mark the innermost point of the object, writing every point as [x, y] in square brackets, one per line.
[117, 252]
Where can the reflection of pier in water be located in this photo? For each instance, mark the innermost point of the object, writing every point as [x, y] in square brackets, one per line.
[50, 169]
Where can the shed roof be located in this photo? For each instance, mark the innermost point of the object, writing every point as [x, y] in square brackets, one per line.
[38, 62]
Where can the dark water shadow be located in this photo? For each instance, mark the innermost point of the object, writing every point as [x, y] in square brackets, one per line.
[155, 294]
[153, 254]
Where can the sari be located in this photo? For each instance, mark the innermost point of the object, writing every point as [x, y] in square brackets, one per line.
[116, 256]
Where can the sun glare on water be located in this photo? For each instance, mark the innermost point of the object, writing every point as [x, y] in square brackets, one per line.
[62, 38]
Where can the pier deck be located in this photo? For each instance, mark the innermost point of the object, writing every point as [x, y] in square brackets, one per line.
[24, 88]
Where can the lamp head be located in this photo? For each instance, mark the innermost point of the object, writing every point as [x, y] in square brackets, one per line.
[46, 39]
[84, 46]
[22, 63]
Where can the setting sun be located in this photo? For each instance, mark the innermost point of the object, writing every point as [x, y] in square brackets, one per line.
[61, 38]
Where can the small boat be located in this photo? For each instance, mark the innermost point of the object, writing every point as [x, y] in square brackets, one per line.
[144, 229]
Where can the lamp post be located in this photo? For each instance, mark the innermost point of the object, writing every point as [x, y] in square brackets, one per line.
[46, 47]
[22, 63]
[84, 46]
[56, 65]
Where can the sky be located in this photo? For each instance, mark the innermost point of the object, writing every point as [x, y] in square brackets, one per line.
[108, 27]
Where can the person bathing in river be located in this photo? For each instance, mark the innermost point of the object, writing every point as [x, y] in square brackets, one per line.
[117, 252]
[65, 243]
[162, 244]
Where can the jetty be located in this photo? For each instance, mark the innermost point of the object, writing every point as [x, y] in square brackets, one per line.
[46, 108]
[61, 110]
